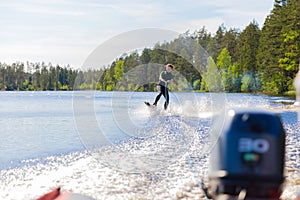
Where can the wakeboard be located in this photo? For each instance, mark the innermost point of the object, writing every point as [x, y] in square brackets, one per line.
[149, 105]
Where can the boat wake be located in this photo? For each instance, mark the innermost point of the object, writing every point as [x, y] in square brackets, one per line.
[151, 163]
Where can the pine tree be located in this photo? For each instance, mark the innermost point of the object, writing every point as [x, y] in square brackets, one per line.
[291, 38]
[270, 49]
[247, 47]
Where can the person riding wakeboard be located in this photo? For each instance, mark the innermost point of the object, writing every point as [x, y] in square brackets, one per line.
[165, 78]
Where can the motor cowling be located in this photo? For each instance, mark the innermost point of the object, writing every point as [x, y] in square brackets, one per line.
[248, 155]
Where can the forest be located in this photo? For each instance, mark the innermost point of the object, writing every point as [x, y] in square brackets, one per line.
[262, 60]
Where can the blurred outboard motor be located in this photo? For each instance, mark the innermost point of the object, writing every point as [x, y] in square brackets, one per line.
[248, 157]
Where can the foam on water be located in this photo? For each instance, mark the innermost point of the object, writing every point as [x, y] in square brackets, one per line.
[151, 165]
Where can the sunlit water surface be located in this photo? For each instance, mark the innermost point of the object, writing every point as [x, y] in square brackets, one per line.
[134, 152]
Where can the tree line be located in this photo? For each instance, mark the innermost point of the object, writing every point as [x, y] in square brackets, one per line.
[41, 77]
[253, 60]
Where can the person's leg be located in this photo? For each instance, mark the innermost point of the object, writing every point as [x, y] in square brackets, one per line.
[166, 95]
[161, 90]
[157, 98]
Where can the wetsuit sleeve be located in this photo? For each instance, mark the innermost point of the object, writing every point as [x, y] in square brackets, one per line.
[161, 79]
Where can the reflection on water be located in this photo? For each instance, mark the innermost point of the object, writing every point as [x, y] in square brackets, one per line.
[41, 149]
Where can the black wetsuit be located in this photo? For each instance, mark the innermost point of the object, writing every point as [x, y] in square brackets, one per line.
[164, 88]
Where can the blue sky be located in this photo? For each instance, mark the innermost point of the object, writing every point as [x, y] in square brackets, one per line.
[67, 31]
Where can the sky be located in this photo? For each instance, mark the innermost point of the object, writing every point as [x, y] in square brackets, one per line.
[68, 31]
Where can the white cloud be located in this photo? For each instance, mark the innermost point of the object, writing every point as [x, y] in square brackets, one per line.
[62, 55]
[50, 11]
[42, 7]
[210, 24]
[67, 31]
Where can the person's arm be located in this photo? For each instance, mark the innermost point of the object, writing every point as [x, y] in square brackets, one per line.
[161, 79]
[170, 81]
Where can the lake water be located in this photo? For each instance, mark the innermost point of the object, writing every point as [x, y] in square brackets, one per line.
[105, 144]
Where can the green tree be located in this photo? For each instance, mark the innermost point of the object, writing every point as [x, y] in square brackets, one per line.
[247, 48]
[291, 38]
[229, 72]
[44, 78]
[212, 78]
[119, 70]
[224, 59]
[230, 42]
[197, 84]
[145, 57]
[108, 84]
[248, 83]
[36, 77]
[203, 38]
[273, 77]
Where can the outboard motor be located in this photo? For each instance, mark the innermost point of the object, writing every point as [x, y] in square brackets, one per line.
[248, 157]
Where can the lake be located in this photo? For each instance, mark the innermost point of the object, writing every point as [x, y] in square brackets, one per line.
[105, 144]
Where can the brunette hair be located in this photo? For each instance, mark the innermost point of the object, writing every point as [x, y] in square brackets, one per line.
[170, 65]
